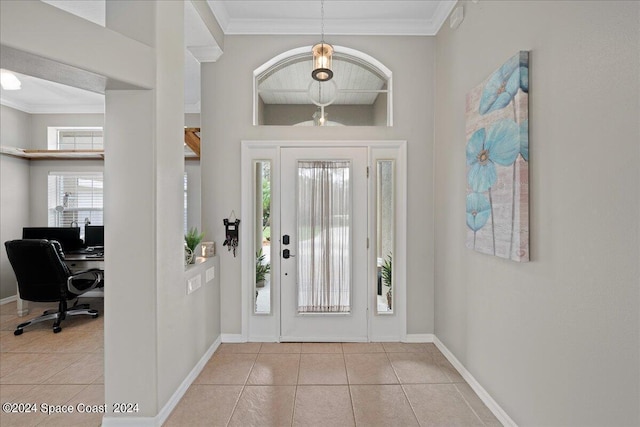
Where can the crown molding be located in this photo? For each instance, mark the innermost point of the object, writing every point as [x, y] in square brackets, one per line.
[55, 109]
[351, 27]
[74, 108]
[385, 27]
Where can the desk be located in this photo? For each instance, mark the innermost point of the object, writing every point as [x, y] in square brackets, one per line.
[79, 262]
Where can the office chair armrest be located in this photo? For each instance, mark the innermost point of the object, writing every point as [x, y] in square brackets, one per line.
[94, 274]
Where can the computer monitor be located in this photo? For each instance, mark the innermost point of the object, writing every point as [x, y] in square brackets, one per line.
[94, 235]
[68, 237]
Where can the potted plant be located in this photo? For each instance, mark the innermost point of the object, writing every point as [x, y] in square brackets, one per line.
[262, 269]
[193, 239]
[387, 277]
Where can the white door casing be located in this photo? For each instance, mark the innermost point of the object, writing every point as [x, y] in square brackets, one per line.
[325, 326]
[261, 327]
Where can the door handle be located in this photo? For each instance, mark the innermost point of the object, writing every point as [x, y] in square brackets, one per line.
[286, 254]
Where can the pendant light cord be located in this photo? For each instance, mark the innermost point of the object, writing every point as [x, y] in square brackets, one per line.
[322, 21]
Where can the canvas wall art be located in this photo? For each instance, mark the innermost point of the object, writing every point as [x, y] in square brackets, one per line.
[497, 151]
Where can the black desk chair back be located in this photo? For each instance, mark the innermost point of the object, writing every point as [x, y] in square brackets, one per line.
[44, 277]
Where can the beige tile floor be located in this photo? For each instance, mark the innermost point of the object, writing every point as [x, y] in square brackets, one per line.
[55, 369]
[315, 384]
[252, 384]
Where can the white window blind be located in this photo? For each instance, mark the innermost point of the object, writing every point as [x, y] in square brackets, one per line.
[75, 198]
[76, 138]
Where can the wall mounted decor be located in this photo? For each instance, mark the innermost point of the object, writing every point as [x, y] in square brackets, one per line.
[231, 229]
[497, 151]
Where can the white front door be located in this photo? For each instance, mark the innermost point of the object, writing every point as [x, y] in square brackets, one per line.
[324, 264]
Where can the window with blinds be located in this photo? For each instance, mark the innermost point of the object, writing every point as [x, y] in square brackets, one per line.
[76, 138]
[75, 199]
[78, 198]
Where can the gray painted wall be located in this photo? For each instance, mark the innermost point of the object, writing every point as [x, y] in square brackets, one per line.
[227, 118]
[16, 127]
[554, 341]
[14, 190]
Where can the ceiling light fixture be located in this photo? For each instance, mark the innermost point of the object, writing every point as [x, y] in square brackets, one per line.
[322, 54]
[9, 81]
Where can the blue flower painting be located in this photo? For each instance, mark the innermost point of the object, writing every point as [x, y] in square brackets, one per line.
[524, 140]
[501, 147]
[504, 83]
[478, 211]
[497, 158]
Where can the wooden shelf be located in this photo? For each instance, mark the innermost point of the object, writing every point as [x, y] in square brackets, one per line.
[191, 138]
[52, 154]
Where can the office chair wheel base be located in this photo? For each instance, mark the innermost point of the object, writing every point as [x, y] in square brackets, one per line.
[94, 316]
[56, 329]
[18, 332]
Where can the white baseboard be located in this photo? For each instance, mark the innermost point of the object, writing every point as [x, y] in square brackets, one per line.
[493, 406]
[164, 413]
[233, 338]
[7, 300]
[419, 338]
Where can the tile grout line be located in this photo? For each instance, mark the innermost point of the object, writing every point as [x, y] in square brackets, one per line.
[353, 409]
[295, 391]
[404, 392]
[392, 367]
[406, 396]
[235, 405]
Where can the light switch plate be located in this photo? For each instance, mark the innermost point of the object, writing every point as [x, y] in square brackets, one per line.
[210, 274]
[193, 284]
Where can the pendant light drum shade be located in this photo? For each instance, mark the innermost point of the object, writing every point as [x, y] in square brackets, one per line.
[322, 55]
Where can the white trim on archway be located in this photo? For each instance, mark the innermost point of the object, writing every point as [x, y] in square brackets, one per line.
[373, 62]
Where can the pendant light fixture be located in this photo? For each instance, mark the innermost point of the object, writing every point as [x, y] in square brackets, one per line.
[322, 54]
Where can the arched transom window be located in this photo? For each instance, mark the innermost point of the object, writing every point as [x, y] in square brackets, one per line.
[359, 94]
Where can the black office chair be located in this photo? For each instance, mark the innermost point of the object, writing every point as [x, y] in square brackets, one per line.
[44, 277]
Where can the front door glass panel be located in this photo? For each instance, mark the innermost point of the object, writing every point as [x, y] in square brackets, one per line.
[324, 230]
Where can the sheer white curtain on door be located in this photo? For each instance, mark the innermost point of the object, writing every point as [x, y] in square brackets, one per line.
[324, 218]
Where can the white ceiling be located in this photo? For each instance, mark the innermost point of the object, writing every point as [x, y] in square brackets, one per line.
[43, 96]
[353, 17]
